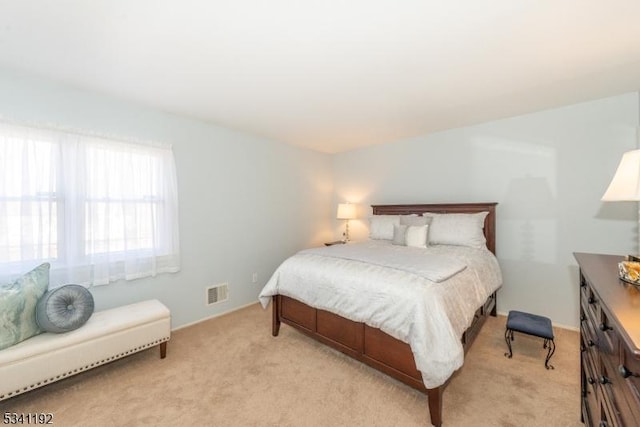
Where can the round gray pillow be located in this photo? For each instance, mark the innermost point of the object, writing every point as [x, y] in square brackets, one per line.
[64, 309]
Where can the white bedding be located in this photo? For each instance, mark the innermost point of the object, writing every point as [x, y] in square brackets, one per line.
[431, 266]
[430, 316]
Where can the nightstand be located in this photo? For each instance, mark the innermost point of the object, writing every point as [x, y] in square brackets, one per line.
[337, 242]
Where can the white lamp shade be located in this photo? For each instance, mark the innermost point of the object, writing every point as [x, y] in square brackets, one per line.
[625, 185]
[346, 211]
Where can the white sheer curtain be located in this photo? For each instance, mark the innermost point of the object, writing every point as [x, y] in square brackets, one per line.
[97, 209]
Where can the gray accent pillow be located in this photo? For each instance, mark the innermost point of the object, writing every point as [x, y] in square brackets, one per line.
[410, 235]
[64, 309]
[399, 234]
[18, 306]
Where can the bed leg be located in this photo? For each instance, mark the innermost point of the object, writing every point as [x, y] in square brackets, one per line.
[163, 350]
[494, 310]
[435, 405]
[275, 316]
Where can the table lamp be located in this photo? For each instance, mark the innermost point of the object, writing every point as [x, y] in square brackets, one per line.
[625, 187]
[346, 211]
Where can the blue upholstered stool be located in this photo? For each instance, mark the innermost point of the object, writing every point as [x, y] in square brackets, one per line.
[530, 324]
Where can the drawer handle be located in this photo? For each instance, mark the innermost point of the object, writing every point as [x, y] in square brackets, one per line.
[625, 373]
[591, 381]
[583, 317]
[604, 380]
[592, 300]
[591, 343]
[604, 327]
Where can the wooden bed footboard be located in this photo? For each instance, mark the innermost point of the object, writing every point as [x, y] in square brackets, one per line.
[370, 345]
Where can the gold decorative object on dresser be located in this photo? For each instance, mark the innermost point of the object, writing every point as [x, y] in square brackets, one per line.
[610, 343]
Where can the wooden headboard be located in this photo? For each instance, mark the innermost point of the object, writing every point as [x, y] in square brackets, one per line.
[489, 221]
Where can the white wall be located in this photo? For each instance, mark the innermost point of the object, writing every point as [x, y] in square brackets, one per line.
[246, 203]
[546, 170]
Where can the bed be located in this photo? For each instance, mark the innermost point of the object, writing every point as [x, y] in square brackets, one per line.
[340, 296]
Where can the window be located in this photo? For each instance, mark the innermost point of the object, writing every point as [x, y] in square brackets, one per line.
[97, 209]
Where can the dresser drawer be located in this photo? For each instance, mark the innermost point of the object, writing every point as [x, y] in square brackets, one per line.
[590, 343]
[608, 338]
[590, 408]
[590, 304]
[607, 418]
[628, 372]
[614, 394]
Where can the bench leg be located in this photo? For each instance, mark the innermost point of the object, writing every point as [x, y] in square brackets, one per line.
[163, 350]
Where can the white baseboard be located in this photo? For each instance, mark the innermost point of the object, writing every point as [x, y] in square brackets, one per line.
[214, 316]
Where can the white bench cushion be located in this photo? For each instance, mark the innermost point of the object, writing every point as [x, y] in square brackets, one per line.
[107, 335]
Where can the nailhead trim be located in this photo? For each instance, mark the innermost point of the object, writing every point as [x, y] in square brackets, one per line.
[84, 368]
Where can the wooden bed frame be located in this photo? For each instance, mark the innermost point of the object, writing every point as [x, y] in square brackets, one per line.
[372, 346]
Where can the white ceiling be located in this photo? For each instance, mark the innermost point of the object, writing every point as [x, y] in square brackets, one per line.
[331, 75]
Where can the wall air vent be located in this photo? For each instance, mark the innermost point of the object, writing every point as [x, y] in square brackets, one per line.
[217, 293]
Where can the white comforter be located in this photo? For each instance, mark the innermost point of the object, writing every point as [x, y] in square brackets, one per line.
[415, 308]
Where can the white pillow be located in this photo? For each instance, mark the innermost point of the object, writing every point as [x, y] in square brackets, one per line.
[457, 229]
[416, 236]
[381, 226]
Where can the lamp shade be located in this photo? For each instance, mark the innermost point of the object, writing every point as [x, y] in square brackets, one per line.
[346, 211]
[625, 185]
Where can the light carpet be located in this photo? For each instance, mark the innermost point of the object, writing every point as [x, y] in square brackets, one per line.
[230, 371]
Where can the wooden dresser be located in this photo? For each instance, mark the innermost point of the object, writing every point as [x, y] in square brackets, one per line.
[610, 343]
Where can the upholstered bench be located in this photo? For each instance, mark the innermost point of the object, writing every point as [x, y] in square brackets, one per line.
[108, 335]
[530, 324]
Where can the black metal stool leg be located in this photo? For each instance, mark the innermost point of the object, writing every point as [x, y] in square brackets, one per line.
[508, 337]
[552, 349]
